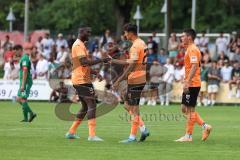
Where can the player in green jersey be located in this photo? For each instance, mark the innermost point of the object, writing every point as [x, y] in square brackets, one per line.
[25, 83]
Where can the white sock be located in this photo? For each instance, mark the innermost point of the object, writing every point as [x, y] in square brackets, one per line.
[188, 135]
[213, 101]
[204, 125]
[142, 128]
[132, 136]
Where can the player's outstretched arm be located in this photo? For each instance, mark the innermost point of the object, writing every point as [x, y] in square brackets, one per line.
[117, 61]
[84, 61]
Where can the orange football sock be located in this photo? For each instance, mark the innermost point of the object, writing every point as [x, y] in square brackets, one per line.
[135, 124]
[191, 119]
[91, 127]
[199, 119]
[74, 126]
[141, 123]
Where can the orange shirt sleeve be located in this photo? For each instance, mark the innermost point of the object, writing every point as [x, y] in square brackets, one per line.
[194, 56]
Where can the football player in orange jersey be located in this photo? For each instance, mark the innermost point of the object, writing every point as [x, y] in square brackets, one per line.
[82, 82]
[135, 74]
[191, 87]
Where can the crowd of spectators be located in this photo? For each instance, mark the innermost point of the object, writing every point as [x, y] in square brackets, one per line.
[51, 59]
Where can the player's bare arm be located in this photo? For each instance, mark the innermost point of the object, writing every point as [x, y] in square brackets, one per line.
[117, 61]
[124, 76]
[24, 78]
[84, 61]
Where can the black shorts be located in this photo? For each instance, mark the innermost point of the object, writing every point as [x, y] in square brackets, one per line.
[134, 92]
[190, 99]
[85, 90]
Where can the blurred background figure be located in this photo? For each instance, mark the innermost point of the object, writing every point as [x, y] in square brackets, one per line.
[41, 67]
[106, 38]
[61, 42]
[203, 99]
[47, 44]
[214, 79]
[173, 46]
[165, 85]
[60, 94]
[235, 81]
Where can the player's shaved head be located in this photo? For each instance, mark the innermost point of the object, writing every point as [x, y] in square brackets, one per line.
[83, 29]
[84, 32]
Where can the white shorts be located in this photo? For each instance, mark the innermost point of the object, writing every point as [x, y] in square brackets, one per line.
[213, 88]
[203, 86]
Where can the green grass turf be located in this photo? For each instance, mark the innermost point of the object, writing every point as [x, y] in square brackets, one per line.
[44, 138]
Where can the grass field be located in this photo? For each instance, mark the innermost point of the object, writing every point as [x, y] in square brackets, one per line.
[44, 138]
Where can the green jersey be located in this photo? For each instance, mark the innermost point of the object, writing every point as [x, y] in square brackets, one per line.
[25, 62]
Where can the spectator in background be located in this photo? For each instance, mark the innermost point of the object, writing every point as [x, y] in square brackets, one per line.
[7, 68]
[213, 82]
[222, 56]
[155, 38]
[151, 44]
[196, 41]
[93, 44]
[206, 56]
[34, 60]
[47, 44]
[41, 67]
[204, 81]
[61, 42]
[235, 80]
[220, 64]
[156, 71]
[70, 40]
[12, 73]
[54, 52]
[221, 43]
[62, 55]
[179, 72]
[52, 69]
[151, 56]
[64, 72]
[38, 44]
[173, 46]
[59, 94]
[236, 56]
[180, 56]
[166, 85]
[226, 72]
[106, 38]
[8, 54]
[233, 42]
[203, 42]
[7, 43]
[1, 55]
[97, 54]
[162, 56]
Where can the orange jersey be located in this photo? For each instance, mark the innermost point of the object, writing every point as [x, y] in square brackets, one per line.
[137, 53]
[192, 56]
[80, 74]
